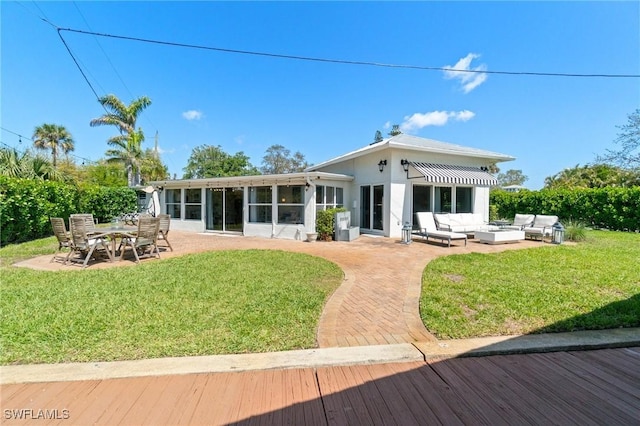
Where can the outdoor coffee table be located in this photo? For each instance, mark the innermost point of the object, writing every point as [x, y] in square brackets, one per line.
[501, 236]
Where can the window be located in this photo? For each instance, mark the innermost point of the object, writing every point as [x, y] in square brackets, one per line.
[193, 204]
[421, 201]
[260, 203]
[142, 201]
[291, 204]
[328, 197]
[172, 200]
[442, 200]
[464, 202]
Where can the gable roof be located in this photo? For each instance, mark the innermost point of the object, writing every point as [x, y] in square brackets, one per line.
[414, 143]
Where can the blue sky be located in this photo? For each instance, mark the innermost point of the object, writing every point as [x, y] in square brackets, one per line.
[248, 103]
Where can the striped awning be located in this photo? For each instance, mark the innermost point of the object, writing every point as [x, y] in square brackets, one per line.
[462, 175]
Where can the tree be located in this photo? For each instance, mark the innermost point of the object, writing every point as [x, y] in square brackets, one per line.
[628, 156]
[278, 160]
[593, 176]
[128, 144]
[378, 137]
[208, 161]
[152, 167]
[511, 177]
[27, 166]
[53, 137]
[395, 130]
[104, 173]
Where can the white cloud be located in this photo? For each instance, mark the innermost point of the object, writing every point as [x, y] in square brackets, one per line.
[435, 118]
[192, 115]
[387, 125]
[468, 80]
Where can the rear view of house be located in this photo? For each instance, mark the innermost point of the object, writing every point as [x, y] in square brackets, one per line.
[382, 184]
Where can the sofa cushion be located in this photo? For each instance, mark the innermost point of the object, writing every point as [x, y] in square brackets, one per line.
[543, 221]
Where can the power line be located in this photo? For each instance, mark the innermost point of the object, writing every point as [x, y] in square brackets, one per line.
[341, 61]
[109, 61]
[103, 51]
[20, 137]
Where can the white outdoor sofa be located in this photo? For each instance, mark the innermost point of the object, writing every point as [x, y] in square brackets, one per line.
[521, 221]
[428, 229]
[541, 227]
[466, 223]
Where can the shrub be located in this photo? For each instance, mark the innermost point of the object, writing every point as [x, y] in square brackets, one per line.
[325, 223]
[26, 206]
[611, 208]
[575, 231]
[106, 203]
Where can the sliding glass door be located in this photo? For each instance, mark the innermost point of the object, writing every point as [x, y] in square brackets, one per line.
[372, 207]
[224, 207]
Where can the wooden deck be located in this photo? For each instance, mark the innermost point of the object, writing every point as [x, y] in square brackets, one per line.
[600, 387]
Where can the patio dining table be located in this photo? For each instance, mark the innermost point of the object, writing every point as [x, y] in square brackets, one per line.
[115, 233]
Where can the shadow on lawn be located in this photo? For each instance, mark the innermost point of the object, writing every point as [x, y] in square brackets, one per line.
[623, 313]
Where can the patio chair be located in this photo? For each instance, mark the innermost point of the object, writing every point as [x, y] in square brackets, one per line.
[163, 232]
[541, 227]
[146, 238]
[64, 241]
[84, 244]
[520, 221]
[428, 229]
[89, 221]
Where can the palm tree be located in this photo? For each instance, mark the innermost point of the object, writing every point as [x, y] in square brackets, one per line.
[54, 137]
[27, 166]
[128, 144]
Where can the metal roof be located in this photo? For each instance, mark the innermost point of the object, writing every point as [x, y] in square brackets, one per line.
[414, 143]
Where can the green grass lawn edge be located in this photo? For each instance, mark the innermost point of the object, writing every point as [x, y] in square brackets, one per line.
[222, 302]
[590, 285]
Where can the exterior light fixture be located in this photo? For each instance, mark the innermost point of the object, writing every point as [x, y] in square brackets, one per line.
[557, 236]
[381, 165]
[405, 165]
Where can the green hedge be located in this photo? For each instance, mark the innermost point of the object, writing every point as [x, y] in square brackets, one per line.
[608, 208]
[26, 206]
[105, 203]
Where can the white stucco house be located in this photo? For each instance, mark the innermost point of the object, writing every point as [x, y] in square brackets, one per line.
[382, 184]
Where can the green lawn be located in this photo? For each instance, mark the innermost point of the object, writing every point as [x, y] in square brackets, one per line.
[590, 285]
[199, 304]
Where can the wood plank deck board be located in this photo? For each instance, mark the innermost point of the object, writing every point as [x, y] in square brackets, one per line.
[559, 384]
[604, 390]
[343, 399]
[476, 405]
[592, 387]
[505, 392]
[622, 363]
[531, 396]
[481, 381]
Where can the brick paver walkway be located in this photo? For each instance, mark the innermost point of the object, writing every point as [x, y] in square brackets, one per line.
[378, 302]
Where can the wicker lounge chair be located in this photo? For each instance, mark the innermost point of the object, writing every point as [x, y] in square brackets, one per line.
[428, 229]
[84, 244]
[146, 238]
